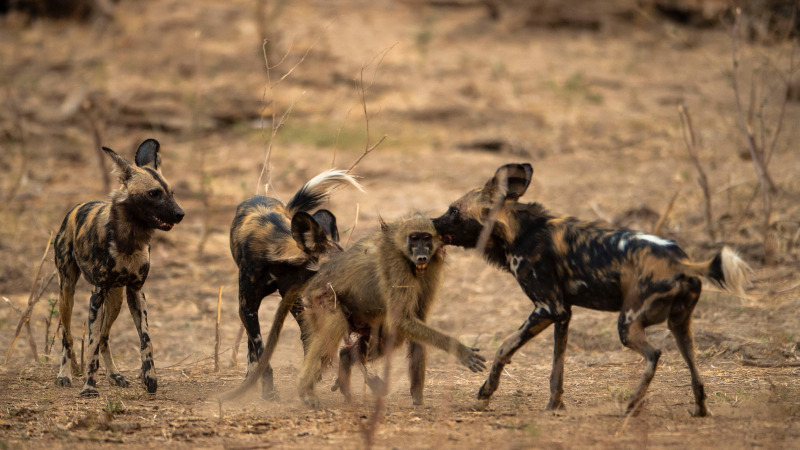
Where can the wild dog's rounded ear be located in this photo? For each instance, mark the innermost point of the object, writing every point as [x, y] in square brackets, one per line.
[121, 165]
[327, 221]
[509, 182]
[308, 234]
[148, 155]
[519, 177]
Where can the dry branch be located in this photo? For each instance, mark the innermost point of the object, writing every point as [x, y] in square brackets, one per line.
[691, 145]
[32, 300]
[216, 341]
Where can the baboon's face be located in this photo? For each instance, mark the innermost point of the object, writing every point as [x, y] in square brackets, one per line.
[420, 250]
[461, 225]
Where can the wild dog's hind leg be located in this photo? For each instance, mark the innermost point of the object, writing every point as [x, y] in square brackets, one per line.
[680, 323]
[654, 309]
[534, 325]
[96, 319]
[252, 289]
[112, 306]
[137, 304]
[68, 273]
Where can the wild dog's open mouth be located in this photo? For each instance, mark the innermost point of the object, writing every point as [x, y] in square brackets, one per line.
[163, 225]
[447, 239]
[420, 269]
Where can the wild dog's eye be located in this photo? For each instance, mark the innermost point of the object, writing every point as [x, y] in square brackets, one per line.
[154, 193]
[453, 211]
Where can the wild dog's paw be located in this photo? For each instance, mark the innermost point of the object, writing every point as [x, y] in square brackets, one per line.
[116, 379]
[485, 392]
[89, 392]
[64, 381]
[151, 384]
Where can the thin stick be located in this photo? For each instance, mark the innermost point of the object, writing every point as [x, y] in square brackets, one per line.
[235, 352]
[661, 220]
[83, 345]
[32, 299]
[691, 145]
[216, 342]
[353, 229]
[53, 342]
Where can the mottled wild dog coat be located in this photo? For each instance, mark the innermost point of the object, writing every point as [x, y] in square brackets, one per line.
[109, 243]
[561, 262]
[380, 289]
[279, 247]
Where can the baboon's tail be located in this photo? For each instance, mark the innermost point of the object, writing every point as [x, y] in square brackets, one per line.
[726, 270]
[313, 193]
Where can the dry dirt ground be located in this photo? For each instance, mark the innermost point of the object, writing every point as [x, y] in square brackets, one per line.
[593, 110]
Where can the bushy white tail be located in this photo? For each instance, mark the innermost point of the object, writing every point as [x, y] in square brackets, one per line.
[319, 188]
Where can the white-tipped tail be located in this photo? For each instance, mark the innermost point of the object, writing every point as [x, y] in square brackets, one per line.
[735, 271]
[317, 189]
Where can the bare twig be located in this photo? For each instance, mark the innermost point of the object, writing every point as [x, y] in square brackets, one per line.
[691, 145]
[216, 341]
[270, 86]
[97, 142]
[235, 352]
[32, 299]
[353, 229]
[339, 133]
[366, 152]
[661, 220]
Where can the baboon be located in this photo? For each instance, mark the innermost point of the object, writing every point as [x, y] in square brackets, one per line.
[380, 289]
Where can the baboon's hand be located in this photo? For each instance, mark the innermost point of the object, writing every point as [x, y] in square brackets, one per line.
[470, 358]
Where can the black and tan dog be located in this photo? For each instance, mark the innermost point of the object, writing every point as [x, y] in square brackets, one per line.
[277, 248]
[561, 262]
[109, 243]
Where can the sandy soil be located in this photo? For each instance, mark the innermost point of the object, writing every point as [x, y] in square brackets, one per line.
[593, 110]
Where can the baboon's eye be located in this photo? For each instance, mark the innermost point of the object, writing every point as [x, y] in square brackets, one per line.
[154, 193]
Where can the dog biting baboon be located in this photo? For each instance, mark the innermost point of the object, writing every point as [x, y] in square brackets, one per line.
[276, 248]
[380, 289]
[109, 243]
[561, 262]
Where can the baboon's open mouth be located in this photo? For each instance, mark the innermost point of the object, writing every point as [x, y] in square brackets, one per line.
[420, 269]
[163, 225]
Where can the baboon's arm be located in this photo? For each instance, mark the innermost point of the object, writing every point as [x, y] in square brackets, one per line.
[417, 331]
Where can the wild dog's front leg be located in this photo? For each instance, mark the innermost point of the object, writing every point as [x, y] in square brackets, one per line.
[560, 335]
[137, 304]
[69, 364]
[96, 318]
[111, 309]
[532, 326]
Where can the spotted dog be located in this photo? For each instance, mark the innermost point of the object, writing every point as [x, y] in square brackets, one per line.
[109, 243]
[276, 248]
[561, 262]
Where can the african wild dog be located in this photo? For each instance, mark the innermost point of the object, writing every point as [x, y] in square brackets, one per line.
[561, 262]
[109, 243]
[277, 248]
